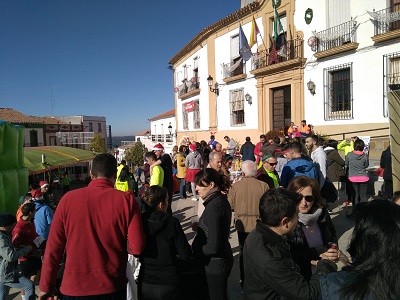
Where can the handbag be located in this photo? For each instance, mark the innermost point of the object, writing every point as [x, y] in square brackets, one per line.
[329, 191]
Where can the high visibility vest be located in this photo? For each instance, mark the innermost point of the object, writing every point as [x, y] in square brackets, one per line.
[122, 185]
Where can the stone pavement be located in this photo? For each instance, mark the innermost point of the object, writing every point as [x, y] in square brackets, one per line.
[185, 209]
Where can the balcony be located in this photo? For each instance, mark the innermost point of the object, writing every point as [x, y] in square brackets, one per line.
[189, 88]
[337, 39]
[386, 23]
[162, 138]
[234, 71]
[288, 56]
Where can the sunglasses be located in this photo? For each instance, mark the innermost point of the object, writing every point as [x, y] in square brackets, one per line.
[272, 164]
[308, 198]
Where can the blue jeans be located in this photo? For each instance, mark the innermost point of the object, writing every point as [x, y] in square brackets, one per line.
[182, 187]
[22, 283]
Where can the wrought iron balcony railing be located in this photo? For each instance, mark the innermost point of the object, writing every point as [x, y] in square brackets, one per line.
[289, 50]
[386, 20]
[336, 36]
[234, 68]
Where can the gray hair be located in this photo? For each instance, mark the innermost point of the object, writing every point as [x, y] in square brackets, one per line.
[213, 154]
[249, 168]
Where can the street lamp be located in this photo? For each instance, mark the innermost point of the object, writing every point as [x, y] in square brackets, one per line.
[170, 128]
[210, 83]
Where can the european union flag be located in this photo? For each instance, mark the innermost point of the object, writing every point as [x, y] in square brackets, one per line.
[244, 49]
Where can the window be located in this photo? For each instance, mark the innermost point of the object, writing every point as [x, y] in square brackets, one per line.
[236, 66]
[196, 115]
[237, 107]
[90, 127]
[185, 118]
[338, 12]
[98, 127]
[33, 137]
[185, 72]
[338, 92]
[391, 66]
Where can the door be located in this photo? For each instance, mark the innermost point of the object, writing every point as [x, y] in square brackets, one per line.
[281, 108]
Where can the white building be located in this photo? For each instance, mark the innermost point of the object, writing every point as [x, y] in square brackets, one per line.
[95, 124]
[163, 130]
[145, 138]
[353, 56]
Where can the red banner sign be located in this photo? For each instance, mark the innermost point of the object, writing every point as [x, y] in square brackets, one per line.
[189, 106]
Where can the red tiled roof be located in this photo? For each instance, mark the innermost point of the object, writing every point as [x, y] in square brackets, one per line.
[13, 116]
[170, 113]
[142, 133]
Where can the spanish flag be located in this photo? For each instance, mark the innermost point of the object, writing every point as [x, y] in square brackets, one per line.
[254, 32]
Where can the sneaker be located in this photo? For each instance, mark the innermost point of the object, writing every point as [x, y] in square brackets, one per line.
[347, 202]
[194, 199]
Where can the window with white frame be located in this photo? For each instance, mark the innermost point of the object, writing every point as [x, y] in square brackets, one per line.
[185, 118]
[338, 92]
[196, 115]
[391, 74]
[237, 107]
[339, 12]
[236, 66]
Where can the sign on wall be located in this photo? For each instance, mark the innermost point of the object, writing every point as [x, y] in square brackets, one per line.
[189, 106]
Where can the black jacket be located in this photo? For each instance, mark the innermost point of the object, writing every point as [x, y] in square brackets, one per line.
[386, 164]
[164, 240]
[212, 239]
[247, 151]
[299, 248]
[270, 271]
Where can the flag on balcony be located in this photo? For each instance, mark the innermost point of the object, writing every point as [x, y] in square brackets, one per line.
[244, 49]
[253, 33]
[278, 28]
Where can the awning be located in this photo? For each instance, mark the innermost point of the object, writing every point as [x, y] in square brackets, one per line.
[56, 157]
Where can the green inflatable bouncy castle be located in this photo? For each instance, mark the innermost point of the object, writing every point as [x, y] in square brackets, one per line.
[13, 173]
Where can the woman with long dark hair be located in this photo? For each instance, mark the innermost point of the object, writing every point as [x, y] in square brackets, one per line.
[375, 253]
[211, 244]
[314, 231]
[165, 239]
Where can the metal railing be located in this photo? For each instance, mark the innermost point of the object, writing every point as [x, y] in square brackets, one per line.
[163, 138]
[291, 49]
[387, 19]
[229, 69]
[343, 134]
[336, 36]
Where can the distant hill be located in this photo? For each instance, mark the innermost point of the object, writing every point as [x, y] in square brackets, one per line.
[116, 140]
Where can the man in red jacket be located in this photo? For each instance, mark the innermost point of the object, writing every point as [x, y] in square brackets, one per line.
[97, 226]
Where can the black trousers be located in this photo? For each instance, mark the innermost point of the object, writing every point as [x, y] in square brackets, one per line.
[217, 273]
[242, 238]
[121, 295]
[149, 291]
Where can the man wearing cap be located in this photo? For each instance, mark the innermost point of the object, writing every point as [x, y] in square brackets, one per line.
[267, 172]
[44, 187]
[9, 277]
[164, 160]
[96, 226]
[44, 215]
[244, 197]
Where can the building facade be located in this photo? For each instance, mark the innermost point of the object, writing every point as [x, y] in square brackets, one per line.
[163, 130]
[330, 62]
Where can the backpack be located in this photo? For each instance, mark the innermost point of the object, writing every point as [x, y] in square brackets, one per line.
[329, 191]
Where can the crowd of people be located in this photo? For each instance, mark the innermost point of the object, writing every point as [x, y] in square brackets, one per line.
[117, 238]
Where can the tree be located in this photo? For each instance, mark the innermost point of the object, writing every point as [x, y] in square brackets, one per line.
[98, 144]
[135, 154]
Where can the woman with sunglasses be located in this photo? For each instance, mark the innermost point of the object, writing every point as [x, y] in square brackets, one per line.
[315, 236]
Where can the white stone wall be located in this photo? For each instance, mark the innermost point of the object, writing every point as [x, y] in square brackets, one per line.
[367, 68]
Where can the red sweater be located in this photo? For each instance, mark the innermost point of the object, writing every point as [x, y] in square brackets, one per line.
[96, 225]
[23, 234]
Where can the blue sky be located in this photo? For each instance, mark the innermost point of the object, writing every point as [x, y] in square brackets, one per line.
[97, 57]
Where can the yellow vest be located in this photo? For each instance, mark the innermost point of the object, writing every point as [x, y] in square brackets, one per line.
[122, 185]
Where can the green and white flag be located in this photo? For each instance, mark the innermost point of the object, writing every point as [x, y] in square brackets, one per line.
[278, 28]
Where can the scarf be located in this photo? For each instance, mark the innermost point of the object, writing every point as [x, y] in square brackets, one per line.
[309, 219]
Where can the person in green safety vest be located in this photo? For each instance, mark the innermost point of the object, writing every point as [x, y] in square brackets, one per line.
[123, 182]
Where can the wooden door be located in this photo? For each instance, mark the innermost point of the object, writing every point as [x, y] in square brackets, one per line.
[278, 109]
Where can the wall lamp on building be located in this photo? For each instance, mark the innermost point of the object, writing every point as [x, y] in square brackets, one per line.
[210, 83]
[248, 98]
[311, 87]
